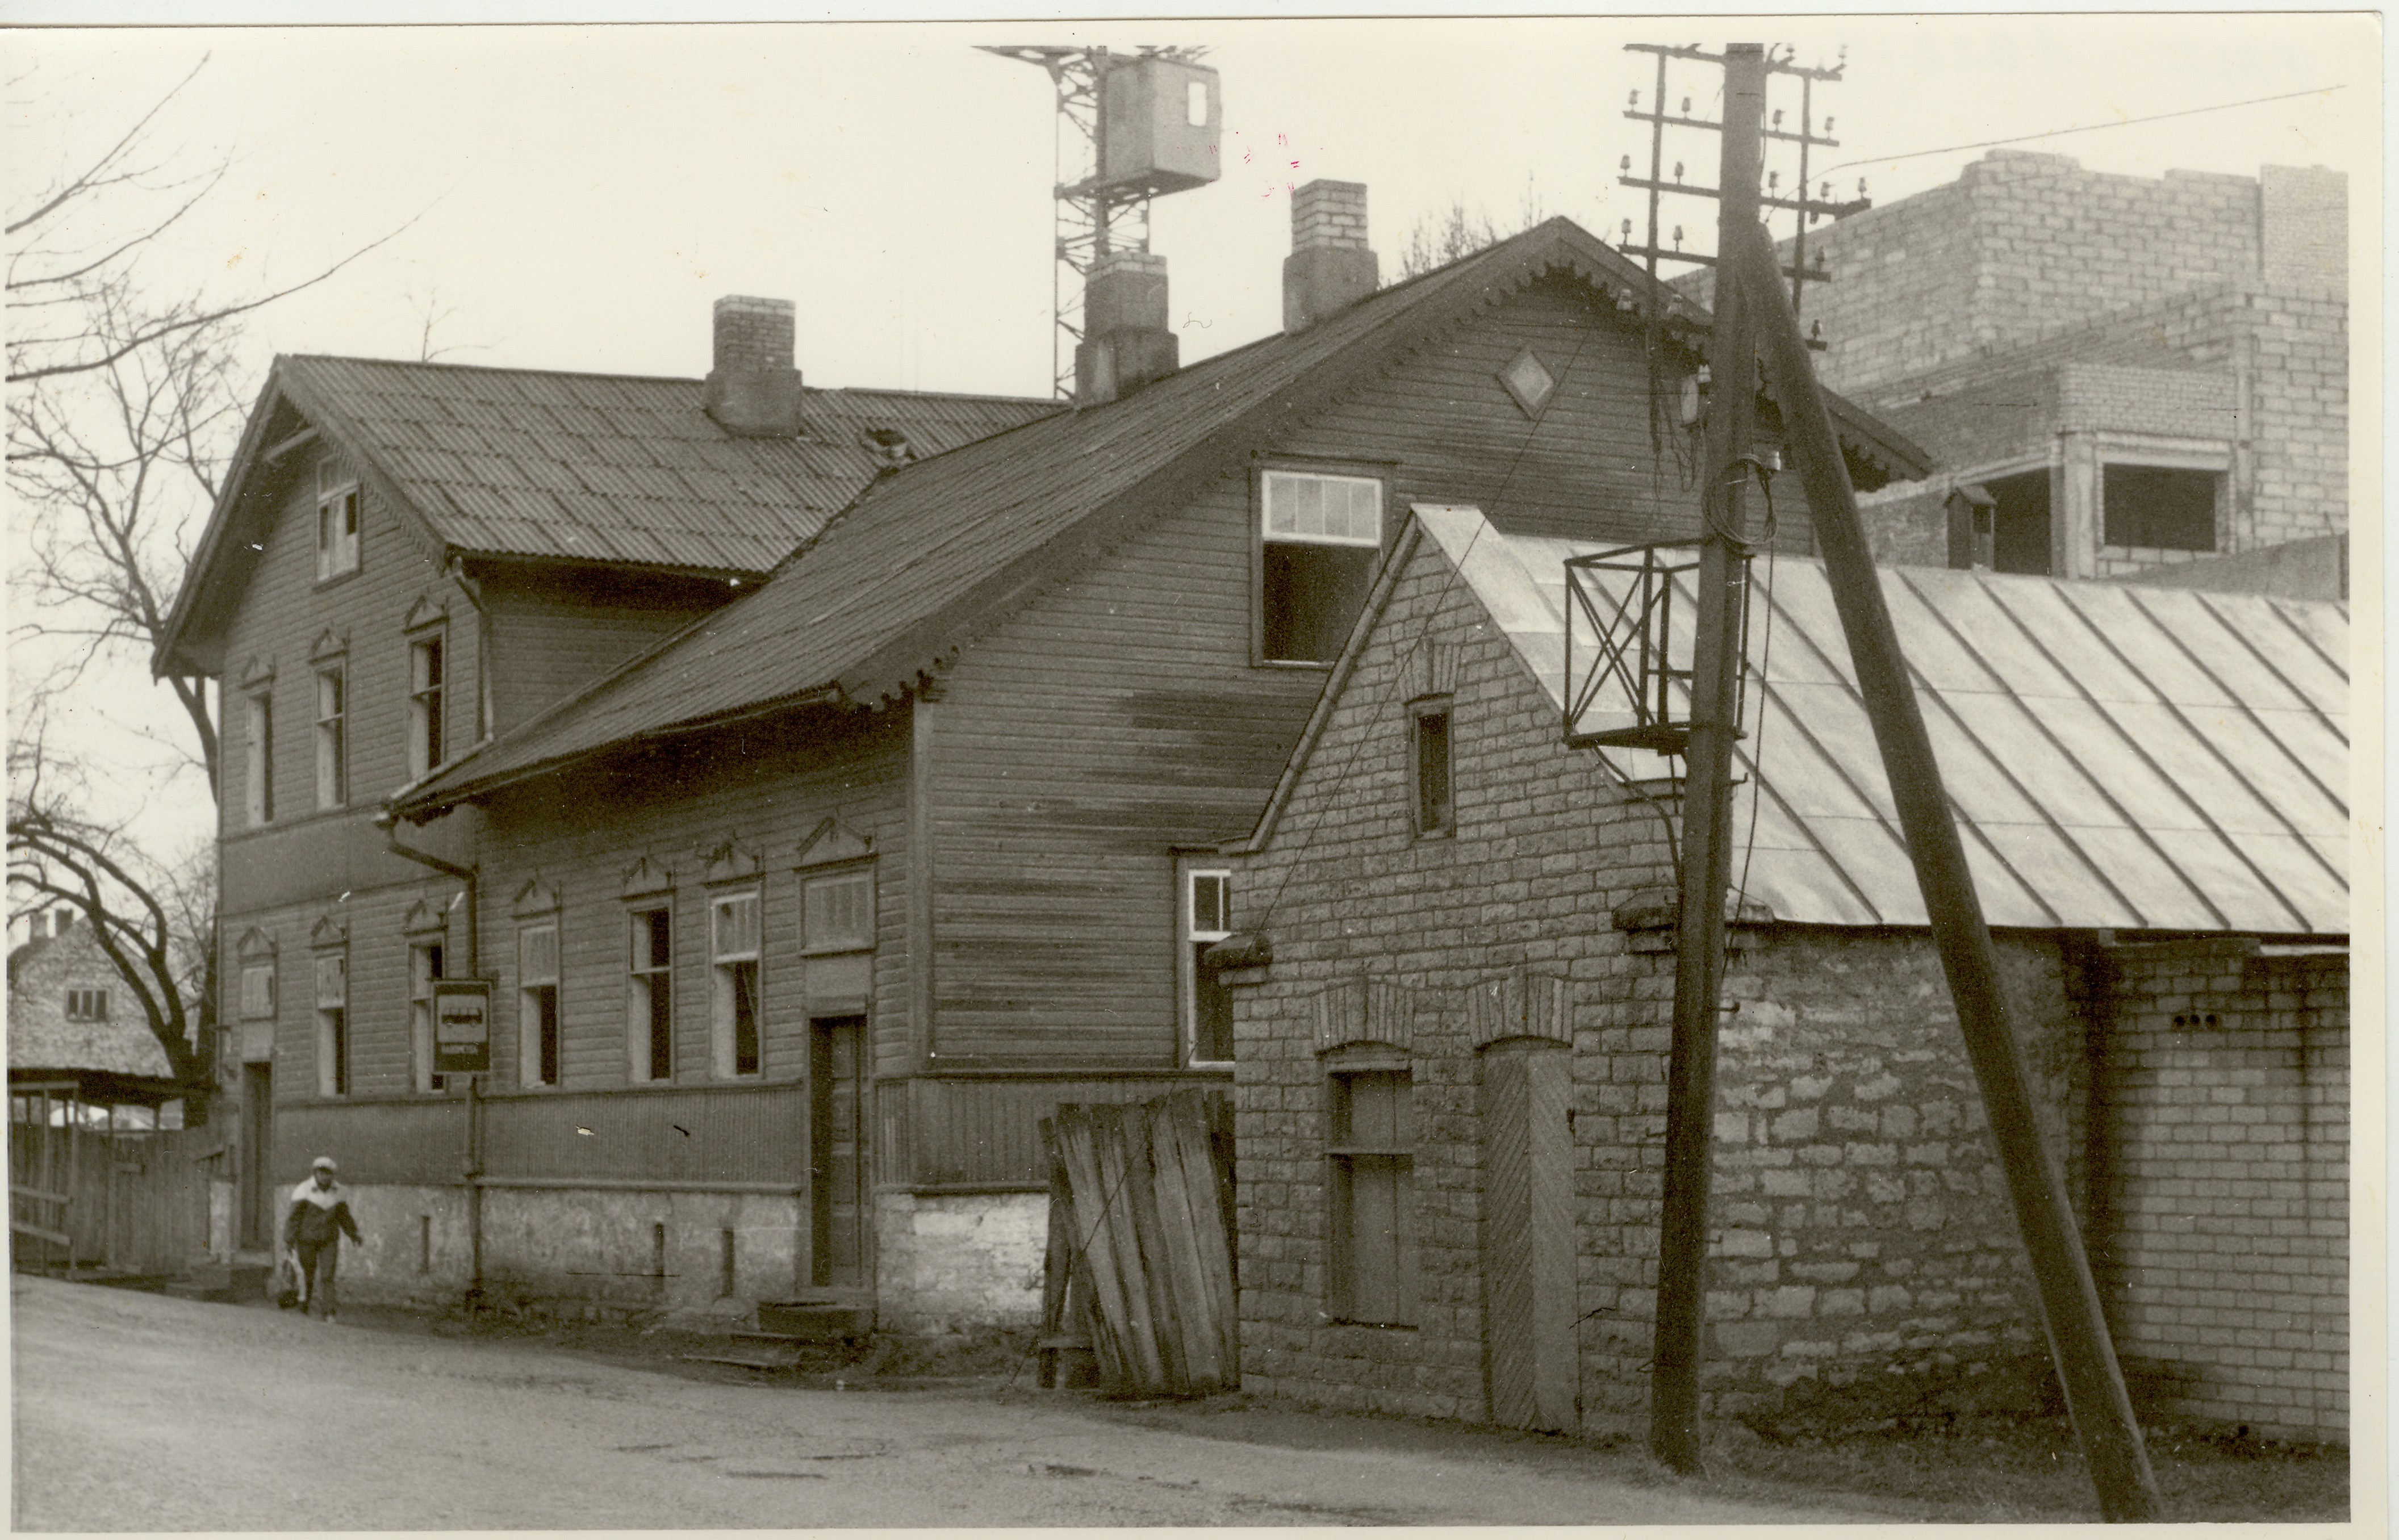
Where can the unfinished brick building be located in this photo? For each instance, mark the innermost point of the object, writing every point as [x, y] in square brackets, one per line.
[2117, 374]
[1455, 946]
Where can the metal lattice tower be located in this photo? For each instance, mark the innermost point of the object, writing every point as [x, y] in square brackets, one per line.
[1093, 219]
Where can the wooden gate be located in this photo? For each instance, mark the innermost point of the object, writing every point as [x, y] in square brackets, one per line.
[85, 1190]
[1141, 1264]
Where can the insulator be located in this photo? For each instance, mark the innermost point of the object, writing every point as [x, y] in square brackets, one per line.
[1634, 101]
[1861, 186]
[1679, 238]
[1686, 106]
[1678, 171]
[1625, 164]
[1828, 125]
[1628, 231]
[1778, 117]
[1826, 192]
[1816, 331]
[1773, 181]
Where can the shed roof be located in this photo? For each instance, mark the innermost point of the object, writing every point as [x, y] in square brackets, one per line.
[2119, 758]
[549, 465]
[902, 579]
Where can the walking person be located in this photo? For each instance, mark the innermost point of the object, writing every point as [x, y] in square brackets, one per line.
[313, 1232]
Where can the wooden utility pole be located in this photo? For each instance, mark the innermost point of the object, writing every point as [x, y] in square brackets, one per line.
[2077, 1331]
[1707, 798]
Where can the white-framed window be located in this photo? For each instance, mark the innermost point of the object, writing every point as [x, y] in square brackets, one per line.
[258, 757]
[257, 990]
[837, 912]
[649, 996]
[332, 757]
[423, 968]
[425, 660]
[1433, 800]
[86, 1004]
[332, 1023]
[1205, 919]
[1320, 537]
[538, 1024]
[735, 1016]
[337, 519]
[1373, 1279]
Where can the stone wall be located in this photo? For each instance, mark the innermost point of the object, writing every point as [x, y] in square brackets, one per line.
[946, 1261]
[1865, 1257]
[2224, 1183]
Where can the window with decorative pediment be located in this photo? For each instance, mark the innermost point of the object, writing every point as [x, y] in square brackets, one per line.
[330, 948]
[337, 519]
[648, 891]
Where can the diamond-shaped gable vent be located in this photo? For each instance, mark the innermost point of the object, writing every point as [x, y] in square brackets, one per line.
[1529, 381]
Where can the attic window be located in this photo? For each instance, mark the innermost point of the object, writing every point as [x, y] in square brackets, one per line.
[86, 1004]
[1529, 381]
[1321, 537]
[337, 520]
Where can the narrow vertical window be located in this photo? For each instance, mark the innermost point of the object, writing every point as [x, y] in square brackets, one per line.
[258, 758]
[1435, 811]
[734, 989]
[537, 1005]
[423, 968]
[337, 520]
[332, 1024]
[86, 1004]
[1373, 1161]
[650, 1001]
[1320, 536]
[1207, 1003]
[425, 664]
[332, 769]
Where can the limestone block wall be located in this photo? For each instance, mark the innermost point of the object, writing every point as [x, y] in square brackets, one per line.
[2225, 1184]
[949, 1261]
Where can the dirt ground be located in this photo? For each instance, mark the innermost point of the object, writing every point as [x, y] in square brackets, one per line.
[498, 1424]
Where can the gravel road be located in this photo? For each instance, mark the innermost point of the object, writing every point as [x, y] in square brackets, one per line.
[139, 1411]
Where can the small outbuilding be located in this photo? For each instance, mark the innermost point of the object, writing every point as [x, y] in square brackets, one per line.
[1452, 975]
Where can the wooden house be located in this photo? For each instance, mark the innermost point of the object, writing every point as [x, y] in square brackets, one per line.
[799, 922]
[1453, 1007]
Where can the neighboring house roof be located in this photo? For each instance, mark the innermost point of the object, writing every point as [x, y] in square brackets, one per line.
[2117, 758]
[926, 555]
[545, 466]
[40, 1036]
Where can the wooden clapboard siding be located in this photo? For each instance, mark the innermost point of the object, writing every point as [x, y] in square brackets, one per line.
[416, 1142]
[378, 984]
[1111, 718]
[764, 787]
[986, 1132]
[282, 614]
[555, 628]
[1118, 714]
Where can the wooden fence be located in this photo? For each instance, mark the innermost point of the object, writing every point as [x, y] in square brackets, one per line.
[1140, 1269]
[129, 1200]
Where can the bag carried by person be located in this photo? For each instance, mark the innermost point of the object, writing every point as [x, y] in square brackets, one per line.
[288, 1275]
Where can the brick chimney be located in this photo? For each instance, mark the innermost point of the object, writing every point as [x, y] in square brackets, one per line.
[1128, 332]
[1330, 268]
[2303, 230]
[754, 389]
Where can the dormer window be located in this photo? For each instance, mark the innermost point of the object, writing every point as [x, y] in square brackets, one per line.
[1320, 539]
[337, 520]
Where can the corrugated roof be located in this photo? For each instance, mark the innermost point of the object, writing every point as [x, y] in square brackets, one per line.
[523, 463]
[902, 578]
[2119, 758]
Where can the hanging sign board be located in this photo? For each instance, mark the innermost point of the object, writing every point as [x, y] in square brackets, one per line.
[462, 1026]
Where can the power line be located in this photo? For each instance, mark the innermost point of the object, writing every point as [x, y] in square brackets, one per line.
[2084, 129]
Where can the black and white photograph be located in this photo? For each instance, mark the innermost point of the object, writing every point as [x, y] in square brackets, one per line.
[1020, 770]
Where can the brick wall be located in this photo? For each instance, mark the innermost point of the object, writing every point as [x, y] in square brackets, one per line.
[2225, 1184]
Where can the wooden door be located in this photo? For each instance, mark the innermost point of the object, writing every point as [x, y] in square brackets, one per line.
[258, 1216]
[837, 1152]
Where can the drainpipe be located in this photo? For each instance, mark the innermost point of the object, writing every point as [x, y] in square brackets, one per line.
[390, 823]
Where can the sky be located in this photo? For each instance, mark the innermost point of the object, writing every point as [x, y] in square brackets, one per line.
[575, 197]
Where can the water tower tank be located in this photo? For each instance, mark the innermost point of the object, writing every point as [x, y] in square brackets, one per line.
[1161, 119]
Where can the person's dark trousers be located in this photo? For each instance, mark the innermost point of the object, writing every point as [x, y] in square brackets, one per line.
[319, 1264]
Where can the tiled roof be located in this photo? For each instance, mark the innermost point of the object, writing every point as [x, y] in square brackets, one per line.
[901, 579]
[2119, 758]
[523, 463]
[40, 1036]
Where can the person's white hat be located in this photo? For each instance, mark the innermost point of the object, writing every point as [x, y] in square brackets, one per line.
[324, 1163]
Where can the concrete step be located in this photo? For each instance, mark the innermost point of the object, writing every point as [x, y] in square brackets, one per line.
[815, 1321]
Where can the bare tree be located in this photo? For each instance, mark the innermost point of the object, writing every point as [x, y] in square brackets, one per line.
[74, 251]
[155, 926]
[1441, 238]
